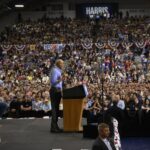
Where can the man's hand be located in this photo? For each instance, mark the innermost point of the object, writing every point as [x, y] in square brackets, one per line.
[59, 79]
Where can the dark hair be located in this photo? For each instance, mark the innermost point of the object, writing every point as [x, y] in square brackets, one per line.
[102, 126]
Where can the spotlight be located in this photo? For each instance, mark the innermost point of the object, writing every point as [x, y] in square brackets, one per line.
[19, 6]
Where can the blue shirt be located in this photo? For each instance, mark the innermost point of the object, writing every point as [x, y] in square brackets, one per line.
[46, 107]
[55, 75]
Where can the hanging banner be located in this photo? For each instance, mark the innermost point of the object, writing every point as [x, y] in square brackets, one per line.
[6, 47]
[87, 43]
[46, 46]
[113, 44]
[60, 47]
[53, 47]
[127, 45]
[100, 44]
[141, 44]
[19, 47]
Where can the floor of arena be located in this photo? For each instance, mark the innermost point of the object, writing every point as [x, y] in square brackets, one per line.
[33, 134]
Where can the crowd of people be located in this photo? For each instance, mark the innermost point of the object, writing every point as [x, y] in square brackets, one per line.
[125, 72]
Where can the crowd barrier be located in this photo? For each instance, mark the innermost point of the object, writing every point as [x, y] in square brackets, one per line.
[133, 124]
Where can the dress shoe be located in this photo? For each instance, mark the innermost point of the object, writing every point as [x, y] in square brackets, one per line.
[60, 130]
[56, 130]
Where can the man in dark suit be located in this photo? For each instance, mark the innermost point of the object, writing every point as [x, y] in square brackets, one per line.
[103, 142]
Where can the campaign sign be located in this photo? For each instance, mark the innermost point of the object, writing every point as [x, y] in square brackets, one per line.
[96, 10]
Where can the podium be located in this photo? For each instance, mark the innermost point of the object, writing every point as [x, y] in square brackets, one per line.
[73, 100]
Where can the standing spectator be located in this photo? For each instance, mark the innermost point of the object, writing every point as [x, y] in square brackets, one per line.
[103, 141]
[37, 106]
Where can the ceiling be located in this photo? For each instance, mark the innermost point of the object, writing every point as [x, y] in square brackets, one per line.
[9, 4]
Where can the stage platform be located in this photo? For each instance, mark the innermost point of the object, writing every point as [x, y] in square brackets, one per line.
[33, 134]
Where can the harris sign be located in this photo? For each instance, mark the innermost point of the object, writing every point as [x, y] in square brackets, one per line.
[91, 10]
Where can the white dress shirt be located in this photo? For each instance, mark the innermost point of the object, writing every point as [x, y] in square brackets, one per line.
[107, 143]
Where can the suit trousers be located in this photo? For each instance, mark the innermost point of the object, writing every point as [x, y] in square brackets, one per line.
[55, 96]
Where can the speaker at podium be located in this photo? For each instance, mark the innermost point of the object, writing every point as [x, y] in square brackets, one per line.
[73, 101]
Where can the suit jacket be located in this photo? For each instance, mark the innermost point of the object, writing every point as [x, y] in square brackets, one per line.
[100, 145]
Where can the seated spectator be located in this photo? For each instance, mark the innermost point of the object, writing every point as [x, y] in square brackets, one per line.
[37, 106]
[14, 108]
[26, 107]
[146, 105]
[46, 107]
